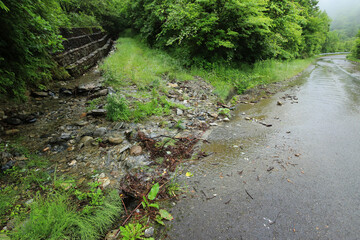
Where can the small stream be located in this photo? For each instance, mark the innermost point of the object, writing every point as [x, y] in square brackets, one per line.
[297, 179]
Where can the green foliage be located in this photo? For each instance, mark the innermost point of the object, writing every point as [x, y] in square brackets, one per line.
[117, 108]
[208, 31]
[95, 196]
[29, 33]
[224, 111]
[135, 64]
[55, 217]
[356, 50]
[133, 232]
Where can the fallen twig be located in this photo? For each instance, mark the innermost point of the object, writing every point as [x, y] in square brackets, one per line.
[249, 194]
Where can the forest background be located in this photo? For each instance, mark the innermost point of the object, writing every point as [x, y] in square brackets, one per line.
[202, 33]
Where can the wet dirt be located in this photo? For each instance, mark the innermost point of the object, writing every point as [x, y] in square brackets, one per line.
[295, 179]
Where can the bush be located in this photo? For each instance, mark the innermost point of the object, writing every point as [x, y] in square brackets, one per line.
[117, 108]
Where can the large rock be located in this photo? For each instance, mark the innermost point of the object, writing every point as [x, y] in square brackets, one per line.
[135, 150]
[100, 132]
[86, 141]
[116, 139]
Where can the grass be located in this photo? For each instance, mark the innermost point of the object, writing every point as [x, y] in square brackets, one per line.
[226, 79]
[55, 213]
[352, 58]
[135, 64]
[55, 217]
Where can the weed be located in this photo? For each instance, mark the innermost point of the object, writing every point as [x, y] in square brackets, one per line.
[147, 204]
[133, 231]
[224, 112]
[117, 108]
[93, 104]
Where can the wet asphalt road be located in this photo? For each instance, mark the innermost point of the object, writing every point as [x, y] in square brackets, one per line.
[299, 179]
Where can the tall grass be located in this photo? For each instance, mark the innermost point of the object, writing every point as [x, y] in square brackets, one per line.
[135, 64]
[55, 217]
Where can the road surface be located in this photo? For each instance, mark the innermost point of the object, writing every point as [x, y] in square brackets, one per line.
[298, 179]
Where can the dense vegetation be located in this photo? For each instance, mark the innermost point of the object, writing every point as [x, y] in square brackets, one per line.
[196, 32]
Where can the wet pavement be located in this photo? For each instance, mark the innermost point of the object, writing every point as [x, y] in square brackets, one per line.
[298, 179]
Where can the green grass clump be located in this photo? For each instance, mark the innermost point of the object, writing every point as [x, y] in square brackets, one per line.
[225, 78]
[118, 108]
[55, 217]
[135, 64]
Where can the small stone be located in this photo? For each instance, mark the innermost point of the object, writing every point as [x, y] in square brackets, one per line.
[40, 94]
[111, 235]
[226, 119]
[13, 121]
[247, 118]
[135, 150]
[179, 112]
[100, 132]
[81, 123]
[65, 136]
[149, 232]
[86, 141]
[99, 112]
[279, 103]
[173, 85]
[28, 202]
[12, 132]
[2, 115]
[72, 163]
[213, 124]
[105, 181]
[115, 140]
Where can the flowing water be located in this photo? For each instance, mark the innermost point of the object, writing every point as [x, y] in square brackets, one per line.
[298, 179]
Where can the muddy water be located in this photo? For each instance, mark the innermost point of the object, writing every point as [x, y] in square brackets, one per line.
[298, 179]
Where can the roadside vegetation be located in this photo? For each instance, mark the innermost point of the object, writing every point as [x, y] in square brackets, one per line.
[37, 204]
[355, 54]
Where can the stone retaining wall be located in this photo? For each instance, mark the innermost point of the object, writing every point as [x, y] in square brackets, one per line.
[83, 48]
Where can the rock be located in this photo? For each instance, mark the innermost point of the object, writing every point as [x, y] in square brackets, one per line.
[30, 118]
[81, 123]
[279, 103]
[72, 163]
[135, 150]
[64, 91]
[98, 112]
[100, 132]
[86, 141]
[149, 232]
[40, 94]
[247, 118]
[13, 121]
[65, 136]
[112, 235]
[111, 90]
[88, 87]
[104, 182]
[28, 202]
[179, 112]
[12, 132]
[8, 165]
[2, 115]
[102, 92]
[173, 85]
[116, 139]
[213, 124]
[226, 119]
